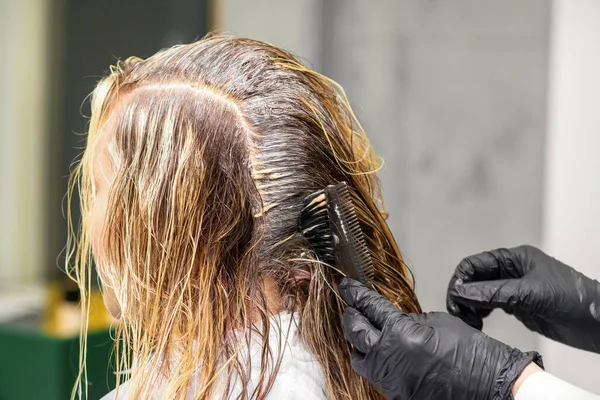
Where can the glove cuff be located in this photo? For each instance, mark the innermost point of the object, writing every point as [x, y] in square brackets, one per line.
[516, 363]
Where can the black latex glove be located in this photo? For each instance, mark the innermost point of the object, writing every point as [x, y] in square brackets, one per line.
[546, 295]
[426, 356]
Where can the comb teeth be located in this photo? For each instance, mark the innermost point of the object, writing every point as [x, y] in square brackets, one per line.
[328, 221]
[350, 226]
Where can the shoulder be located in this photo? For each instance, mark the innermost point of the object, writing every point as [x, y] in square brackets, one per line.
[123, 389]
[300, 376]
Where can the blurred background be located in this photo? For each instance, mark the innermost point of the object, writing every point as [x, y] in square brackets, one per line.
[486, 113]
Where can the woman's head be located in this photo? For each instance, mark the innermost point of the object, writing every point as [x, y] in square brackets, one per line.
[197, 163]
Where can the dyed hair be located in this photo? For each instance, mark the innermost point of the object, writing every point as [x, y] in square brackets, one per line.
[215, 144]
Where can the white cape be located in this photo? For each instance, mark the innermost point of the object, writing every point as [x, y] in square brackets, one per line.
[300, 376]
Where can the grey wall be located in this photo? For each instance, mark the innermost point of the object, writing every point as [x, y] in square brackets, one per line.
[453, 96]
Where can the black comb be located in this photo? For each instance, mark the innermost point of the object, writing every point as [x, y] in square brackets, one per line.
[328, 221]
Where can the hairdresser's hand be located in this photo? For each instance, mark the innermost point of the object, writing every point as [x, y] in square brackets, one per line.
[548, 296]
[426, 356]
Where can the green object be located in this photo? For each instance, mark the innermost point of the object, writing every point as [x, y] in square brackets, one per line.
[34, 365]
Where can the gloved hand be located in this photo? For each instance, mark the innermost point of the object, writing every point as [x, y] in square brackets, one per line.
[546, 295]
[426, 356]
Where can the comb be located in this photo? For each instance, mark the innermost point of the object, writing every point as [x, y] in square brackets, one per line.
[328, 221]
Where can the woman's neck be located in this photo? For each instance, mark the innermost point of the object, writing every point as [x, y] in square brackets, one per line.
[272, 296]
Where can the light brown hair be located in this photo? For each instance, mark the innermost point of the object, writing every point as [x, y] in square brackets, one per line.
[215, 144]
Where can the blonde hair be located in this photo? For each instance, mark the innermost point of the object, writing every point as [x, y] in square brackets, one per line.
[215, 144]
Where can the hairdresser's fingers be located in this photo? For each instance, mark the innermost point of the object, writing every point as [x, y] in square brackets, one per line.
[489, 266]
[480, 267]
[359, 331]
[506, 294]
[370, 303]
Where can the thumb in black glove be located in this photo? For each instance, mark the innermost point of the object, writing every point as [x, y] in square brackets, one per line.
[546, 295]
[426, 356]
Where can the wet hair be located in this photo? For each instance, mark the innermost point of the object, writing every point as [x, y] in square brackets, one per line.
[214, 145]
